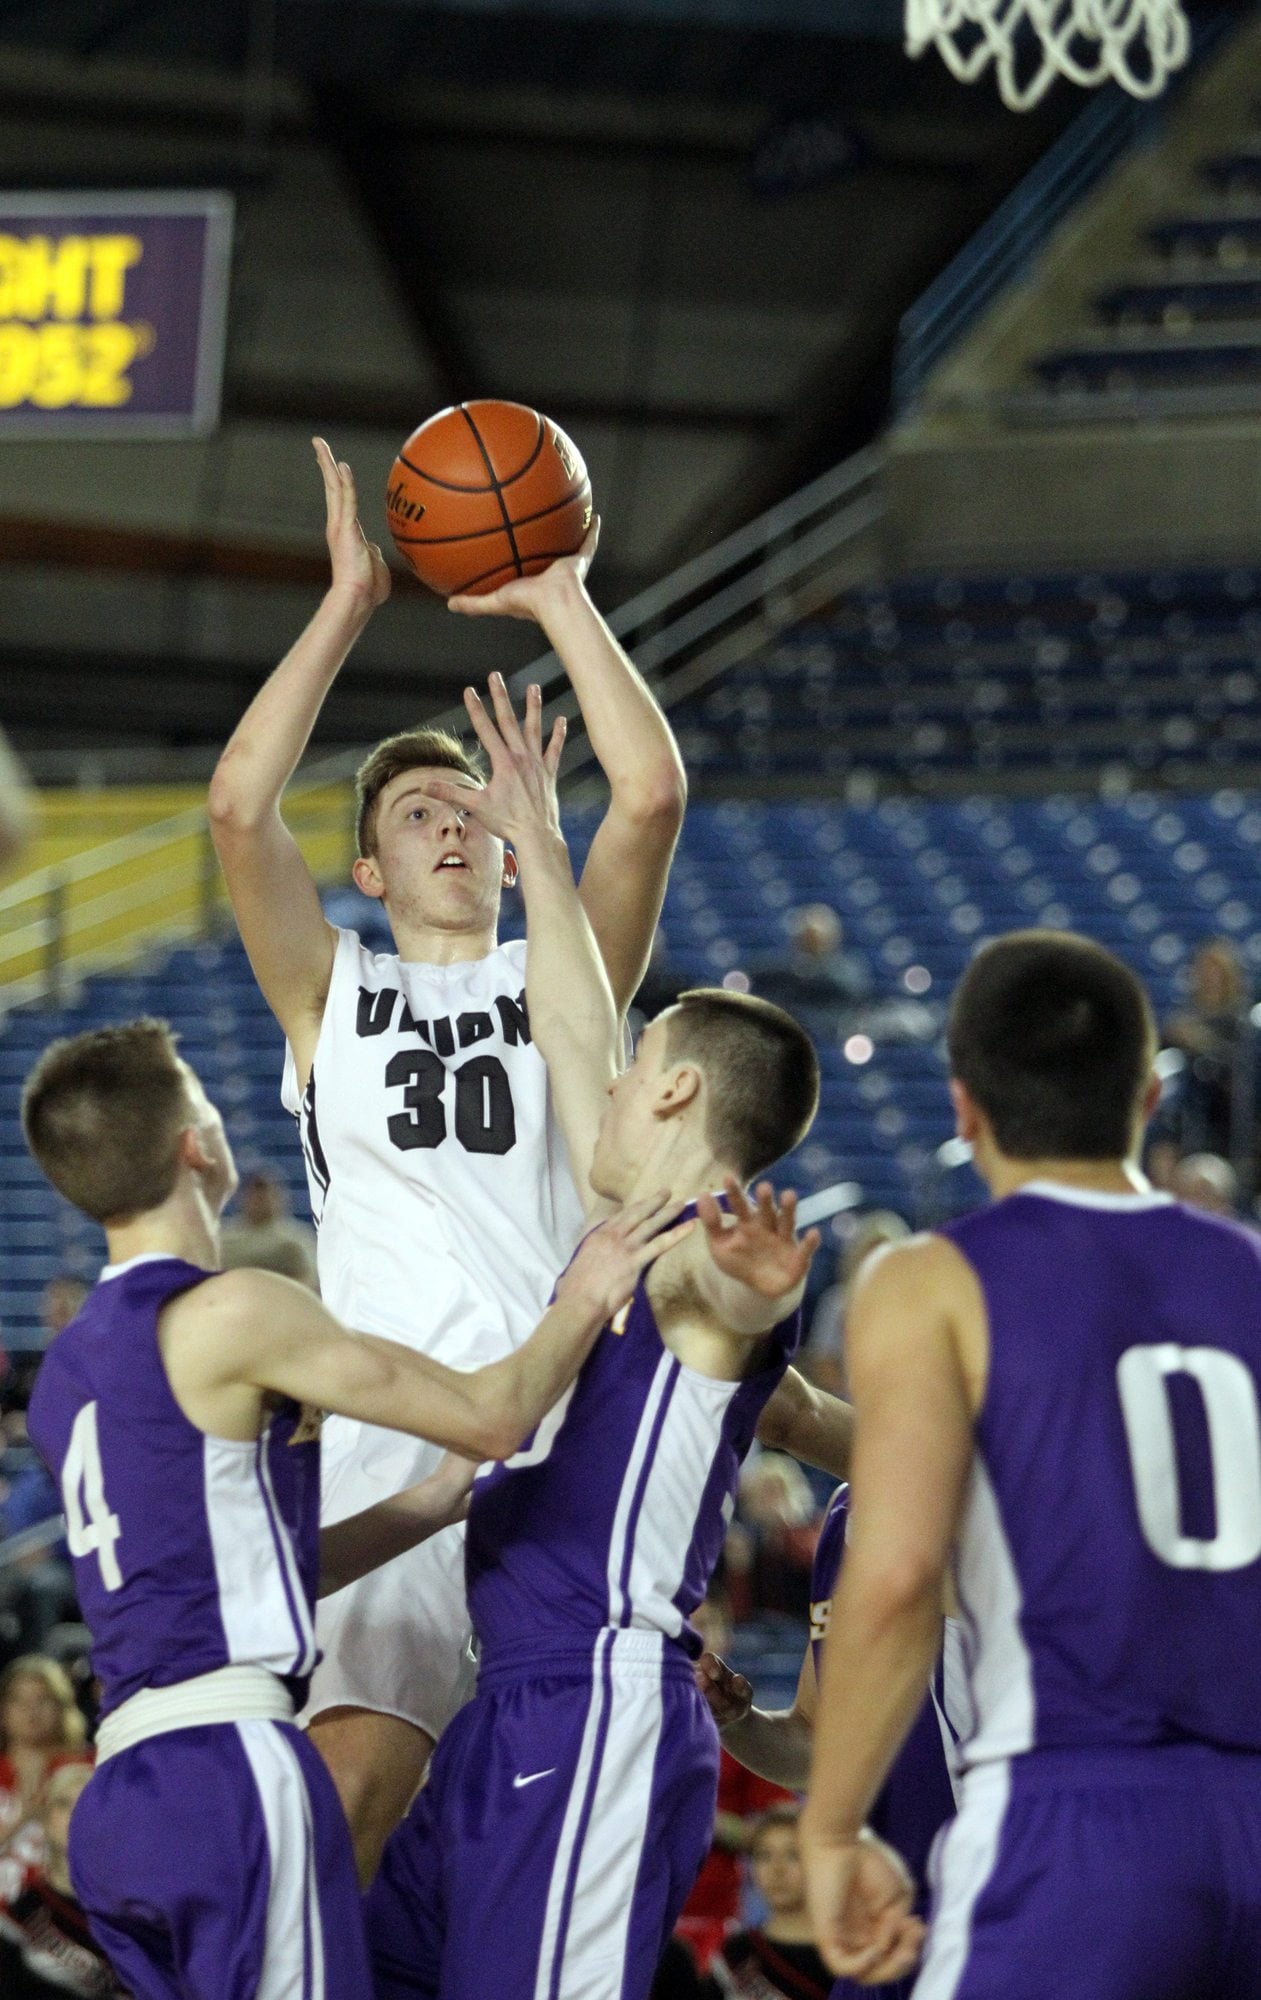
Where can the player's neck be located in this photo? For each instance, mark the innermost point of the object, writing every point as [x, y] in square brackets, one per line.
[686, 1169]
[183, 1227]
[422, 944]
[1095, 1176]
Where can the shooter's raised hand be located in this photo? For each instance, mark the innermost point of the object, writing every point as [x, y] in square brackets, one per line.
[756, 1243]
[519, 799]
[359, 568]
[532, 596]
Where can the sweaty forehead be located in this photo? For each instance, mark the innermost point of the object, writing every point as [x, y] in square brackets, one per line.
[419, 777]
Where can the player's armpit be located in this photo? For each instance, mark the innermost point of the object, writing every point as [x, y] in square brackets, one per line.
[810, 1424]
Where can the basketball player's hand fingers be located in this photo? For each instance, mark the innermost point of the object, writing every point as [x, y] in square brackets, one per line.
[639, 1219]
[737, 1200]
[764, 1194]
[483, 728]
[590, 543]
[459, 796]
[648, 1253]
[556, 744]
[534, 719]
[505, 714]
[710, 1216]
[807, 1247]
[786, 1214]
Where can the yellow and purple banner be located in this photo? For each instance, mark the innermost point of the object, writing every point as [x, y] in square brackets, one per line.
[113, 312]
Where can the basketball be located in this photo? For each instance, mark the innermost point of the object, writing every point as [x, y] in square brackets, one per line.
[486, 492]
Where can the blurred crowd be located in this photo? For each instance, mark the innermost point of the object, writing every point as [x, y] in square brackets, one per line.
[744, 1930]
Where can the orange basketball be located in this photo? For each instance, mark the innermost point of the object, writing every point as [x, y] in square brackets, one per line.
[486, 492]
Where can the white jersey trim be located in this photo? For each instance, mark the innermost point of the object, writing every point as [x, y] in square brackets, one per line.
[293, 1951]
[1000, 1669]
[681, 1467]
[963, 1863]
[1079, 1197]
[266, 1618]
[130, 1263]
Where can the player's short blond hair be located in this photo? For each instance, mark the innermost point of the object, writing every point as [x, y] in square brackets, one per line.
[103, 1114]
[761, 1069]
[410, 750]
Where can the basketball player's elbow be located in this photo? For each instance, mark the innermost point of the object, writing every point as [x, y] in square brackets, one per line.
[497, 1423]
[655, 797]
[233, 805]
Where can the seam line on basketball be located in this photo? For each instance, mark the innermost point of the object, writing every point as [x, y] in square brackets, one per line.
[447, 485]
[533, 458]
[543, 556]
[479, 534]
[496, 488]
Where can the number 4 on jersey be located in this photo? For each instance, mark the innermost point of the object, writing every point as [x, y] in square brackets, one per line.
[83, 1493]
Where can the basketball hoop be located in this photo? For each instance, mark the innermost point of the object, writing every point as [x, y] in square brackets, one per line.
[1136, 43]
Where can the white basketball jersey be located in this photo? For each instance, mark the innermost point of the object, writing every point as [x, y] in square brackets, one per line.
[439, 1179]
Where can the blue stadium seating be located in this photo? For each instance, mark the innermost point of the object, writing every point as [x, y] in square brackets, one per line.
[957, 683]
[917, 883]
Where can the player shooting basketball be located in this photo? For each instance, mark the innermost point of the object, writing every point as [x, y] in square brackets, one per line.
[578, 1787]
[435, 1165]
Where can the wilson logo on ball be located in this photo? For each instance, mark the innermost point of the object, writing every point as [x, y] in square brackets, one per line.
[475, 498]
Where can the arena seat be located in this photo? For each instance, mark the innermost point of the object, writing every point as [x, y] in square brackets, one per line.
[917, 884]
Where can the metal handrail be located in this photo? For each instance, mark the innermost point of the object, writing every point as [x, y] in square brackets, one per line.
[713, 609]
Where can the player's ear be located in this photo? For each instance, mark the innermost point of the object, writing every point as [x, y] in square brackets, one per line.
[366, 877]
[511, 871]
[1151, 1098]
[678, 1088]
[967, 1116]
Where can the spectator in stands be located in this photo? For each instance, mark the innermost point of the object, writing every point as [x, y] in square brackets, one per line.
[1161, 1161]
[1216, 1104]
[266, 1237]
[818, 977]
[59, 1302]
[823, 1357]
[46, 1948]
[1203, 1180]
[15, 807]
[777, 1959]
[37, 1587]
[41, 1729]
[676, 1976]
[714, 1904]
[771, 1542]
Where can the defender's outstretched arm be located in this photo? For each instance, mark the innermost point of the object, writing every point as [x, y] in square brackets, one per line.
[277, 906]
[573, 1016]
[624, 881]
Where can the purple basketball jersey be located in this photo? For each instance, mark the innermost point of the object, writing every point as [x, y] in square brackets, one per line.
[614, 1513]
[190, 1552]
[1109, 1559]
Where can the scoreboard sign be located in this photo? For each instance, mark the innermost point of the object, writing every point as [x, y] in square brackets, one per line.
[112, 313]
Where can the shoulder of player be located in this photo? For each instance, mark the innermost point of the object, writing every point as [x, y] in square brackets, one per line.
[926, 1269]
[236, 1307]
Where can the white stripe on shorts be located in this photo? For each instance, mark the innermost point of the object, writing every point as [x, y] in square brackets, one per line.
[293, 1951]
[592, 1950]
[965, 1861]
[551, 1941]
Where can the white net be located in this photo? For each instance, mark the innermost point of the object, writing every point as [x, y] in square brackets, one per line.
[1135, 43]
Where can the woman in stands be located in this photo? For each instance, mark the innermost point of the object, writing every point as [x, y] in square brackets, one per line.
[41, 1730]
